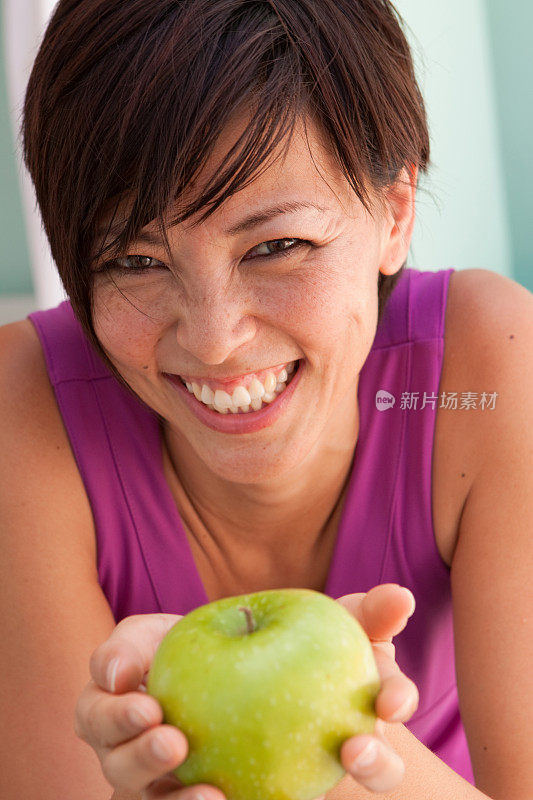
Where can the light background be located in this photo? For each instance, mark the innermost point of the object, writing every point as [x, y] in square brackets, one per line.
[475, 66]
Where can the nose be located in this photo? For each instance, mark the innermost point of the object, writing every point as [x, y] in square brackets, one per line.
[214, 325]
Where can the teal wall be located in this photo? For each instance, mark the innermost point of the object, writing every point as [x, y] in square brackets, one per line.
[510, 26]
[476, 210]
[15, 275]
[462, 217]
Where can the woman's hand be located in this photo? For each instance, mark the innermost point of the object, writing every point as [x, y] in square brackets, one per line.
[123, 724]
[383, 613]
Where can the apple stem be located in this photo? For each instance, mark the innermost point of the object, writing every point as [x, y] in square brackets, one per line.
[250, 625]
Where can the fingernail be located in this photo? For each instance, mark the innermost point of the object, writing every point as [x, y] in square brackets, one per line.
[138, 717]
[162, 749]
[413, 601]
[367, 756]
[112, 673]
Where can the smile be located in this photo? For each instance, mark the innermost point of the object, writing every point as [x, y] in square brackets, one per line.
[255, 400]
[244, 395]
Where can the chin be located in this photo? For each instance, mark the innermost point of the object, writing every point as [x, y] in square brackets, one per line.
[256, 467]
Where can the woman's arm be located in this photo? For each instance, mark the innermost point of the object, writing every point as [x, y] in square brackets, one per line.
[53, 610]
[491, 570]
[492, 573]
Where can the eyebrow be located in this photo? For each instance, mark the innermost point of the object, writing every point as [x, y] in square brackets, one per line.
[251, 221]
[260, 217]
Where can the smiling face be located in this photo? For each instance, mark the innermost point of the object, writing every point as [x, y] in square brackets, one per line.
[282, 278]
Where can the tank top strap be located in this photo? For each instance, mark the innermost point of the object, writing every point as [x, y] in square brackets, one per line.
[397, 396]
[427, 304]
[116, 442]
[386, 533]
[416, 309]
[68, 355]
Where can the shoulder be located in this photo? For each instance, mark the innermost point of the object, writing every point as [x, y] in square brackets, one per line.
[489, 343]
[35, 445]
[487, 347]
[488, 315]
[488, 331]
[26, 394]
[488, 338]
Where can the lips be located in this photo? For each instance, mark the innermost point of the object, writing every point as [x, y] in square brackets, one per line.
[225, 421]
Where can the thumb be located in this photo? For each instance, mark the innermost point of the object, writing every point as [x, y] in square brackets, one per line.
[122, 661]
[383, 611]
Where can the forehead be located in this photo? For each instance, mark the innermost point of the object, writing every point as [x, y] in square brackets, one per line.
[301, 169]
[303, 164]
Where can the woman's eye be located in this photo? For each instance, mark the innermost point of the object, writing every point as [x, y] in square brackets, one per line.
[135, 263]
[274, 247]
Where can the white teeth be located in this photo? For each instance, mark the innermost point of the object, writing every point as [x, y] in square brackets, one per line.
[256, 389]
[222, 399]
[207, 395]
[241, 397]
[270, 382]
[196, 391]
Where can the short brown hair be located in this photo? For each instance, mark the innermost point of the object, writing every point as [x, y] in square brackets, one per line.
[127, 98]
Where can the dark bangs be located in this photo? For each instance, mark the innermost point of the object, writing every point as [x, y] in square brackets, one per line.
[127, 99]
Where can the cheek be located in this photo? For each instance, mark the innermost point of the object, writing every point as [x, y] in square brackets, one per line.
[327, 306]
[128, 334]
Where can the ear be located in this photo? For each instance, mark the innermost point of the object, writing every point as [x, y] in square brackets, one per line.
[399, 202]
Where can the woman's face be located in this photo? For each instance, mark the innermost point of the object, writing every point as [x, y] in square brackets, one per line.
[279, 285]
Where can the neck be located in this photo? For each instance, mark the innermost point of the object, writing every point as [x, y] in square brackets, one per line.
[301, 503]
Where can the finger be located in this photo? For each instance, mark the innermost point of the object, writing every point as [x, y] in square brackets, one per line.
[168, 788]
[397, 700]
[385, 658]
[135, 764]
[383, 611]
[120, 663]
[373, 763]
[398, 697]
[106, 720]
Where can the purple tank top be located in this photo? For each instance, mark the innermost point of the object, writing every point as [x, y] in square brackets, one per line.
[386, 532]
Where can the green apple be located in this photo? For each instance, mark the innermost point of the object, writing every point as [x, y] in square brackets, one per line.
[266, 687]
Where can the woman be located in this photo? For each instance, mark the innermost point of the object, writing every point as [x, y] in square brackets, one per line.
[248, 390]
